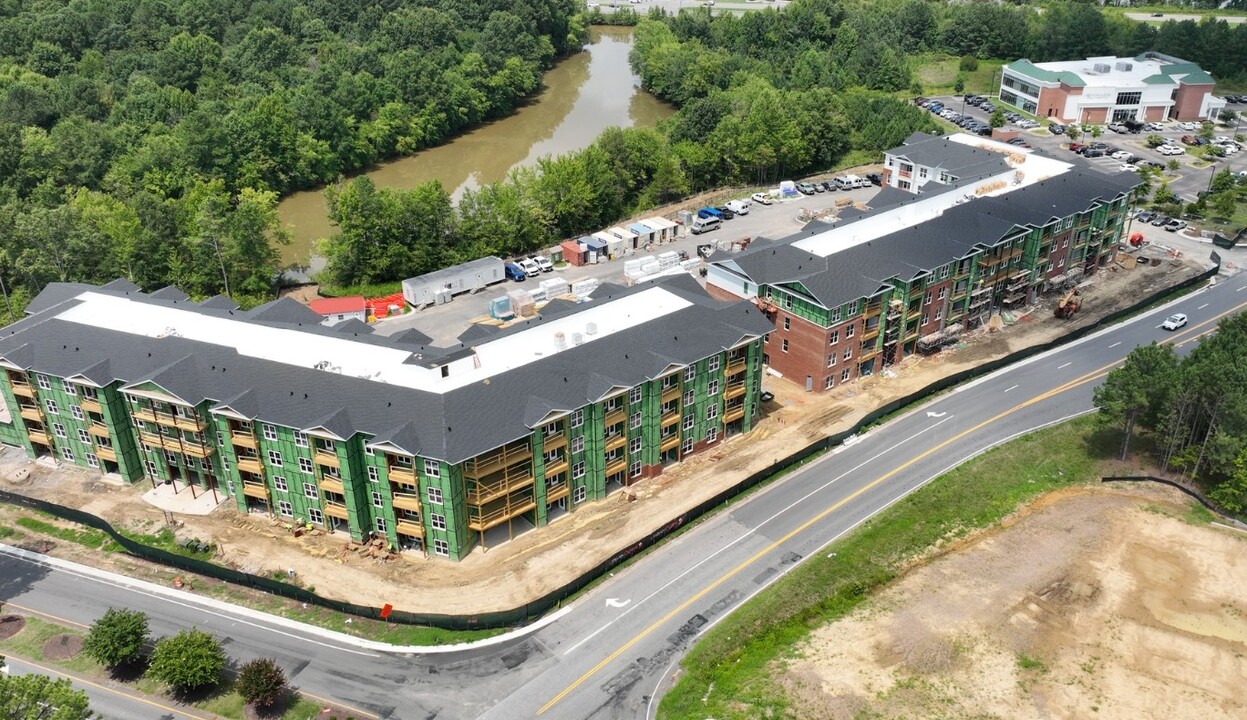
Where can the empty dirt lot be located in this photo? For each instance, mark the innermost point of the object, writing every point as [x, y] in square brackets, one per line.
[1091, 603]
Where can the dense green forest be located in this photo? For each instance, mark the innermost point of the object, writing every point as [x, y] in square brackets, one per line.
[151, 138]
[1192, 410]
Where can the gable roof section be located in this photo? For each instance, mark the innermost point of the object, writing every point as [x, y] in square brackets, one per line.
[1030, 69]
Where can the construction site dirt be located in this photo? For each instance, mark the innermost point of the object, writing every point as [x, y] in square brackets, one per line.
[541, 560]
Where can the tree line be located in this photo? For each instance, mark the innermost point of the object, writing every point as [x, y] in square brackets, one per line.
[1191, 410]
[151, 138]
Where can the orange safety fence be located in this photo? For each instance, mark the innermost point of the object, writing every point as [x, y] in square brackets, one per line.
[380, 307]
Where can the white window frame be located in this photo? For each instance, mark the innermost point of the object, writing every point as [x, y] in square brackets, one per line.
[784, 345]
[712, 388]
[378, 500]
[688, 422]
[579, 495]
[84, 437]
[834, 337]
[844, 374]
[305, 466]
[712, 411]
[274, 458]
[284, 508]
[712, 434]
[634, 421]
[310, 491]
[713, 364]
[380, 526]
[578, 418]
[432, 468]
[69, 388]
[270, 432]
[634, 445]
[435, 495]
[688, 397]
[437, 521]
[634, 470]
[374, 475]
[43, 382]
[279, 483]
[92, 460]
[634, 395]
[686, 446]
[67, 453]
[300, 438]
[51, 407]
[787, 323]
[315, 516]
[578, 470]
[849, 330]
[690, 373]
[578, 444]
[59, 430]
[441, 547]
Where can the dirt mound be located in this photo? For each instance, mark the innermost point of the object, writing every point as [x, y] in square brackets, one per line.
[62, 647]
[11, 625]
[1101, 603]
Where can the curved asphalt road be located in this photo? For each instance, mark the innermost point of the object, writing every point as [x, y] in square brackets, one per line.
[611, 653]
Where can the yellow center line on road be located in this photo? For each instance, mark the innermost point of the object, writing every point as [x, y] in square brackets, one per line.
[1081, 380]
[40, 613]
[57, 672]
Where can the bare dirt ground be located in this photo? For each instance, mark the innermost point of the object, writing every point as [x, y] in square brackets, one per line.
[1090, 603]
[541, 560]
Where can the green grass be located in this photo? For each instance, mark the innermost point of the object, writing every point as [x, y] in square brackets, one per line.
[368, 291]
[7, 533]
[165, 540]
[1026, 662]
[727, 674]
[87, 537]
[938, 73]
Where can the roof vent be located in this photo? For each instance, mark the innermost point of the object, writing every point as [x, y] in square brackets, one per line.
[1101, 68]
[1124, 66]
[577, 339]
[560, 340]
[591, 328]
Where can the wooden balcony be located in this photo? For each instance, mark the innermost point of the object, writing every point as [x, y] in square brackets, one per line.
[410, 528]
[144, 414]
[105, 452]
[616, 466]
[554, 442]
[255, 490]
[615, 442]
[481, 519]
[505, 456]
[480, 492]
[91, 405]
[405, 500]
[250, 464]
[153, 439]
[194, 424]
[557, 467]
[733, 414]
[39, 436]
[669, 418]
[735, 367]
[326, 457]
[337, 509]
[243, 439]
[871, 333]
[98, 429]
[556, 492]
[734, 390]
[670, 394]
[31, 413]
[22, 389]
[330, 484]
[671, 441]
[614, 417]
[401, 474]
[197, 450]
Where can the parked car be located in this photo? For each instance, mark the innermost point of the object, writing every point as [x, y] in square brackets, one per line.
[1152, 164]
[875, 179]
[1121, 155]
[514, 272]
[1093, 153]
[1175, 225]
[1174, 321]
[761, 198]
[919, 100]
[740, 207]
[543, 262]
[1145, 216]
[530, 268]
[709, 212]
[704, 224]
[1077, 147]
[725, 213]
[805, 188]
[1189, 126]
[1126, 167]
[827, 185]
[1160, 220]
[1118, 128]
[1133, 126]
[1056, 128]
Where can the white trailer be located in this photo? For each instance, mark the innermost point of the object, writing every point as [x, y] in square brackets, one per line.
[447, 282]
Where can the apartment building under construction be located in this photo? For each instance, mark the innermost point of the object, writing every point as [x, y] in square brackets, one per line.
[431, 448]
[963, 228]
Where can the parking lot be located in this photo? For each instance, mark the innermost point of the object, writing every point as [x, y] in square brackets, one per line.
[1187, 181]
[444, 323]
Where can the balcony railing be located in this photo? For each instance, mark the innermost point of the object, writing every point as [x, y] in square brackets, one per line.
[554, 442]
[31, 412]
[326, 457]
[492, 462]
[337, 509]
[556, 467]
[98, 429]
[669, 442]
[105, 452]
[734, 413]
[614, 417]
[669, 418]
[243, 439]
[39, 436]
[196, 449]
[406, 501]
[402, 474]
[411, 528]
[481, 519]
[330, 484]
[616, 466]
[23, 389]
[614, 442]
[250, 464]
[91, 405]
[734, 390]
[480, 492]
[735, 367]
[255, 489]
[556, 492]
[670, 394]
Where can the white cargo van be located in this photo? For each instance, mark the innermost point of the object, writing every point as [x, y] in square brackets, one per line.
[846, 182]
[704, 224]
[740, 207]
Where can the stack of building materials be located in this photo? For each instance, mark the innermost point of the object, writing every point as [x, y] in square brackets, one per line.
[522, 304]
[583, 288]
[500, 308]
[554, 287]
[668, 259]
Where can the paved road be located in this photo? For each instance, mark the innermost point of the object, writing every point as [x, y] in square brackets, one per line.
[1179, 17]
[611, 654]
[444, 323]
[111, 701]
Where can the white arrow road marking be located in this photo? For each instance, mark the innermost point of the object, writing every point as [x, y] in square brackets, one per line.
[617, 603]
[935, 414]
[1241, 289]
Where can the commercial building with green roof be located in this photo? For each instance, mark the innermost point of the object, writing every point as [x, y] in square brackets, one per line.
[1151, 87]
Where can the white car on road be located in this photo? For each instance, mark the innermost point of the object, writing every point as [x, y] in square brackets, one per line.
[1171, 150]
[1173, 322]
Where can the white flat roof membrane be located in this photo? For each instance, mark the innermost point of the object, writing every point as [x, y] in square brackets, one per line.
[373, 362]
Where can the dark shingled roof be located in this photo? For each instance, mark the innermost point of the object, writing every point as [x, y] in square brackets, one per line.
[453, 426]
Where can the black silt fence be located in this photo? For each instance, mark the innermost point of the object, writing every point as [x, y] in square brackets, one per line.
[536, 608]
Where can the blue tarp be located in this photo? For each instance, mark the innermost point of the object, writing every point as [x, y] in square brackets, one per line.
[593, 243]
[640, 229]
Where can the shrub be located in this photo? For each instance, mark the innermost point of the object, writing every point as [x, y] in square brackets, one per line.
[968, 63]
[187, 661]
[261, 683]
[117, 638]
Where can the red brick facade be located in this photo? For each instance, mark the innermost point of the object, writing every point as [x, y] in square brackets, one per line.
[1189, 100]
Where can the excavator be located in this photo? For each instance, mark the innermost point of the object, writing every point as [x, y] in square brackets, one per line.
[1069, 304]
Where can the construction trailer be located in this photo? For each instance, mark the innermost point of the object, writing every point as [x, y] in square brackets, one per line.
[439, 286]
